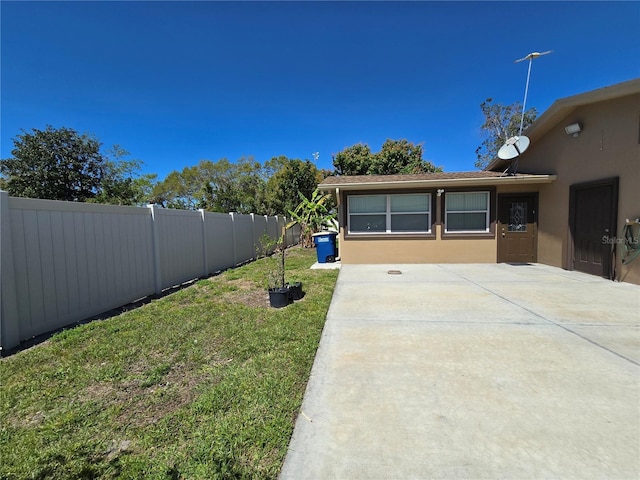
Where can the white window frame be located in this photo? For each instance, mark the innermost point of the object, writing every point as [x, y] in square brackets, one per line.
[388, 214]
[487, 221]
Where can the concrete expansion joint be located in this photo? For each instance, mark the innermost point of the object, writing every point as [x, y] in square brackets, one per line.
[552, 322]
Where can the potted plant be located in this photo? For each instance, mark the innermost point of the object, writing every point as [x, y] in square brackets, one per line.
[281, 294]
[295, 290]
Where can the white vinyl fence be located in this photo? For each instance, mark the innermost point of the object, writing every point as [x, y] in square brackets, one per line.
[63, 262]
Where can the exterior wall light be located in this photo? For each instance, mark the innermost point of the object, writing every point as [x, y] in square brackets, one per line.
[573, 129]
[440, 191]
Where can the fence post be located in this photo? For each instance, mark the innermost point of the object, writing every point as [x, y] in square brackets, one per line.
[204, 242]
[9, 321]
[233, 238]
[156, 247]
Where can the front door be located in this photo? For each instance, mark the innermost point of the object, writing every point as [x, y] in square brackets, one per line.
[592, 219]
[517, 228]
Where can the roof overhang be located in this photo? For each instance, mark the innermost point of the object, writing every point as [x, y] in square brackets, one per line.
[523, 179]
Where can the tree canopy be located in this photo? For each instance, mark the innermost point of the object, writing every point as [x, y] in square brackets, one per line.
[54, 164]
[220, 186]
[290, 179]
[244, 186]
[501, 122]
[395, 157]
[62, 164]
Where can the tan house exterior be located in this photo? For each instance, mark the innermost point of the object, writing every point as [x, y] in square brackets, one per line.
[565, 205]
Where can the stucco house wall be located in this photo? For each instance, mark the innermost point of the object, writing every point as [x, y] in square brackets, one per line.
[608, 146]
[437, 246]
[472, 250]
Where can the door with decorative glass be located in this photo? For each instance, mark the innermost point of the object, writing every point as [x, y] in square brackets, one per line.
[517, 228]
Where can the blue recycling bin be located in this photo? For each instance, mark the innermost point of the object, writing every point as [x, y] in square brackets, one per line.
[325, 243]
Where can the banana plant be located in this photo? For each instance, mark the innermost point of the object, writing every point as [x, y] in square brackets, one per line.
[312, 214]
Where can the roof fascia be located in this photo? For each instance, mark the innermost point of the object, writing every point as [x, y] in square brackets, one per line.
[452, 182]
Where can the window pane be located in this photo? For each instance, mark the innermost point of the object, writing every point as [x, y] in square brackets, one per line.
[467, 201]
[367, 223]
[367, 203]
[466, 221]
[410, 203]
[410, 223]
[518, 217]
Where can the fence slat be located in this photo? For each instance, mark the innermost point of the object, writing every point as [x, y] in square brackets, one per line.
[9, 319]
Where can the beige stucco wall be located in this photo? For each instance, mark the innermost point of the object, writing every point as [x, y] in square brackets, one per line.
[482, 250]
[608, 146]
[438, 249]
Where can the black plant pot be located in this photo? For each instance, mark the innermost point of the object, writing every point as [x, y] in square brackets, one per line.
[295, 290]
[279, 297]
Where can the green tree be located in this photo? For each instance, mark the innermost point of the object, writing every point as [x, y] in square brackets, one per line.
[220, 186]
[234, 187]
[395, 157]
[184, 189]
[400, 157]
[354, 160]
[289, 178]
[121, 182]
[501, 122]
[55, 164]
[61, 164]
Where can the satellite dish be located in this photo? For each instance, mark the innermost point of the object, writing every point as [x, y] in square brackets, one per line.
[513, 147]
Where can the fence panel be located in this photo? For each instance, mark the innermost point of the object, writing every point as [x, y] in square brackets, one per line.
[272, 229]
[293, 234]
[63, 262]
[180, 241]
[282, 223]
[75, 260]
[259, 229]
[9, 321]
[243, 236]
[219, 241]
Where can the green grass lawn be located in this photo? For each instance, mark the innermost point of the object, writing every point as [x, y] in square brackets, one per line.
[203, 383]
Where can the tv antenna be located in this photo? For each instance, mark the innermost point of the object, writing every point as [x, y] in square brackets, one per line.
[316, 155]
[529, 57]
[516, 145]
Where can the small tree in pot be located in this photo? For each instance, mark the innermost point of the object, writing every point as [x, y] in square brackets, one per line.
[274, 251]
[281, 294]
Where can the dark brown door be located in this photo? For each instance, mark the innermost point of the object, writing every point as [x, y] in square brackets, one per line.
[517, 228]
[592, 222]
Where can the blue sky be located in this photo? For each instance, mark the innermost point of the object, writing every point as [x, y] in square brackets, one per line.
[178, 82]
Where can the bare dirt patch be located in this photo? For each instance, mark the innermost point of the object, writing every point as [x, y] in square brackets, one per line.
[248, 293]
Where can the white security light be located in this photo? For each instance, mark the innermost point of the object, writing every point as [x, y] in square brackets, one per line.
[573, 129]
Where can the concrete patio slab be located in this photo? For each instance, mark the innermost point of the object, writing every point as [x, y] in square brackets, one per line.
[473, 371]
[326, 266]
